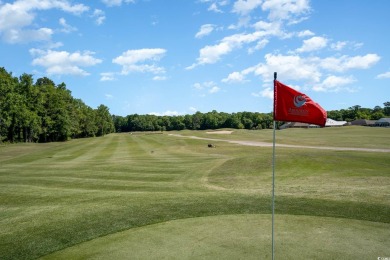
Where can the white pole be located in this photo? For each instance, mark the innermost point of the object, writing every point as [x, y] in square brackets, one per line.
[273, 193]
[273, 173]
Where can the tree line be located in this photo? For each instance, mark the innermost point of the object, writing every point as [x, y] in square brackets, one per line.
[241, 120]
[358, 112]
[45, 112]
[197, 121]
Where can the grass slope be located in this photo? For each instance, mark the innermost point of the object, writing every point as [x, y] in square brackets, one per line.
[54, 196]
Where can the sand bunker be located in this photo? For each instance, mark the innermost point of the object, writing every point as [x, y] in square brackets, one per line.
[220, 132]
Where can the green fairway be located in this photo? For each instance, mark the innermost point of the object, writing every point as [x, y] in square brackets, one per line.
[58, 195]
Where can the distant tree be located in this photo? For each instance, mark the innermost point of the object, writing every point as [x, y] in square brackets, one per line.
[386, 109]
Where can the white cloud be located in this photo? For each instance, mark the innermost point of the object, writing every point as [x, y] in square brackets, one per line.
[198, 86]
[15, 17]
[99, 16]
[271, 29]
[159, 78]
[193, 109]
[338, 46]
[289, 66]
[66, 28]
[310, 70]
[212, 54]
[244, 7]
[137, 61]
[385, 75]
[334, 84]
[235, 77]
[344, 63]
[267, 93]
[214, 7]
[214, 89]
[260, 45]
[62, 62]
[23, 36]
[313, 44]
[116, 2]
[209, 86]
[166, 113]
[109, 96]
[305, 33]
[107, 76]
[286, 9]
[205, 29]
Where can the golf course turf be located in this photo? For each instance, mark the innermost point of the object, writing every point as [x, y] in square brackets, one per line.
[163, 196]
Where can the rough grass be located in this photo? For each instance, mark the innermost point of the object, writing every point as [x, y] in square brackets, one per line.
[54, 196]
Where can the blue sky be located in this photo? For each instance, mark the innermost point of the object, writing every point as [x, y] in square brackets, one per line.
[173, 57]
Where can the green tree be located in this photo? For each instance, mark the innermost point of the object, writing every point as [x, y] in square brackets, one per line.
[386, 109]
[104, 120]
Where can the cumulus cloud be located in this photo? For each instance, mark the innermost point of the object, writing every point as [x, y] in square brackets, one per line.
[310, 69]
[234, 77]
[63, 62]
[208, 86]
[280, 11]
[267, 93]
[141, 60]
[313, 44]
[290, 66]
[16, 17]
[338, 46]
[239, 76]
[66, 28]
[107, 76]
[305, 33]
[205, 29]
[286, 9]
[23, 36]
[99, 16]
[334, 84]
[260, 45]
[385, 75]
[159, 78]
[215, 5]
[116, 2]
[212, 53]
[344, 63]
[244, 7]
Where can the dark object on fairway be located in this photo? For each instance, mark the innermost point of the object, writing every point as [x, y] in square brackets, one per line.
[211, 146]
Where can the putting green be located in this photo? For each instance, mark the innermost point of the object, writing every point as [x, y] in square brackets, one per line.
[241, 237]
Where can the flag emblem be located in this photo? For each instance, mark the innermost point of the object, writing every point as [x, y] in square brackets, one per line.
[299, 101]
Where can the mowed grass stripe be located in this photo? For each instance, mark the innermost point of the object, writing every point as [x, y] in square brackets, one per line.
[69, 202]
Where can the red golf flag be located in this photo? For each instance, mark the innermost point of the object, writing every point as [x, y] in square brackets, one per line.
[293, 106]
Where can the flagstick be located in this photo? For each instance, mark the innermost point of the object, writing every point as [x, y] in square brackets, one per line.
[273, 193]
[273, 183]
